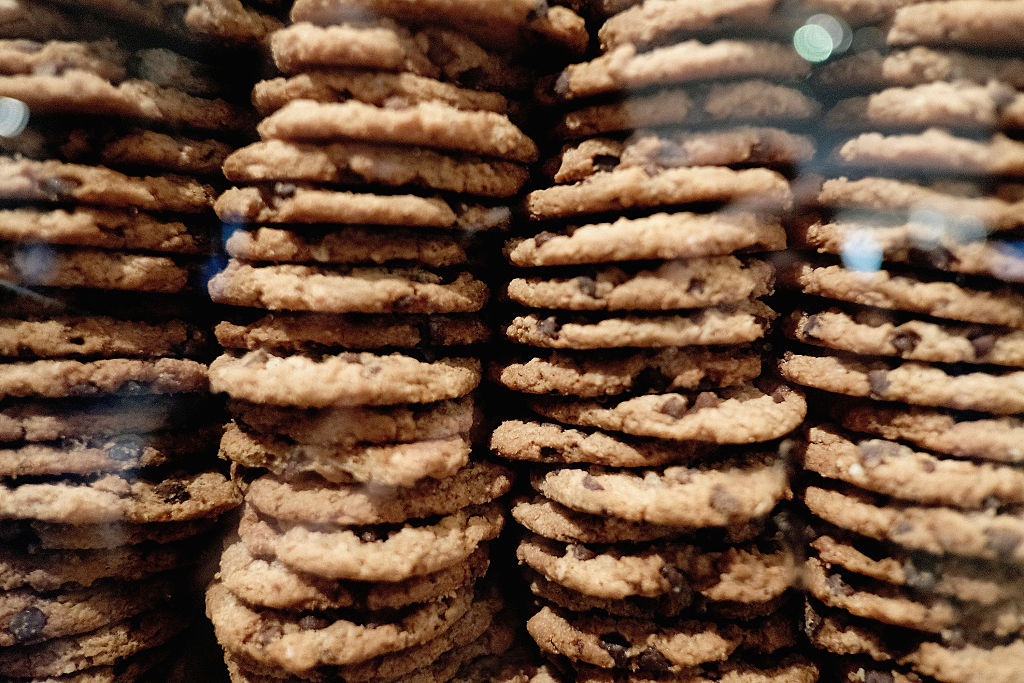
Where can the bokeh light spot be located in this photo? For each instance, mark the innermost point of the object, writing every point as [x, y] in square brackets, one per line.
[14, 116]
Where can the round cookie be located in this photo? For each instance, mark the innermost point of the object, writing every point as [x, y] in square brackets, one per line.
[402, 464]
[347, 426]
[911, 382]
[892, 469]
[68, 378]
[936, 530]
[744, 414]
[299, 331]
[792, 669]
[347, 245]
[109, 498]
[914, 293]
[973, 24]
[343, 289]
[636, 188]
[935, 149]
[65, 268]
[738, 323]
[662, 606]
[56, 337]
[876, 332]
[347, 379]
[387, 554]
[724, 495]
[297, 649]
[693, 283]
[604, 374]
[102, 536]
[314, 501]
[551, 443]
[389, 165]
[678, 235]
[549, 519]
[874, 70]
[431, 124]
[649, 23]
[247, 577]
[970, 436]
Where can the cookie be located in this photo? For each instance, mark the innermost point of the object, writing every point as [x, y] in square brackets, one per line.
[668, 605]
[389, 165]
[936, 530]
[117, 454]
[549, 519]
[649, 23]
[972, 23]
[101, 57]
[102, 647]
[956, 202]
[756, 101]
[956, 577]
[589, 376]
[692, 283]
[347, 289]
[916, 243]
[916, 293]
[50, 570]
[626, 68]
[634, 187]
[59, 536]
[25, 19]
[65, 378]
[49, 181]
[381, 44]
[372, 87]
[312, 501]
[890, 605]
[127, 670]
[935, 150]
[401, 464]
[639, 645]
[77, 92]
[893, 469]
[722, 495]
[87, 226]
[289, 203]
[348, 379]
[744, 414]
[790, 670]
[678, 235]
[387, 554]
[98, 336]
[106, 499]
[65, 268]
[247, 577]
[348, 426]
[44, 420]
[296, 648]
[551, 443]
[431, 124]
[725, 324]
[909, 382]
[989, 106]
[968, 436]
[737, 574]
[875, 70]
[27, 617]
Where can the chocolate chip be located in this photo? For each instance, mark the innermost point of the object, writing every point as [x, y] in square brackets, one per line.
[780, 393]
[723, 501]
[402, 303]
[587, 286]
[615, 645]
[928, 466]
[875, 451]
[543, 238]
[906, 341]
[548, 327]
[696, 286]
[27, 624]
[838, 586]
[903, 528]
[606, 162]
[550, 453]
[674, 407]
[878, 677]
[676, 580]
[650, 380]
[591, 484]
[812, 623]
[172, 492]
[312, 622]
[651, 661]
[582, 553]
[285, 190]
[59, 189]
[983, 344]
[811, 326]
[920, 576]
[878, 381]
[267, 634]
[707, 399]
[1003, 542]
[126, 448]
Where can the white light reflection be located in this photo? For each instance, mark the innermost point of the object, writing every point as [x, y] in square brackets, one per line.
[821, 37]
[14, 116]
[861, 251]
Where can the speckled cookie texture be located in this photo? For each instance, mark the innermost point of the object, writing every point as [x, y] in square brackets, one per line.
[871, 69]
[646, 22]
[71, 378]
[66, 268]
[64, 336]
[936, 149]
[979, 24]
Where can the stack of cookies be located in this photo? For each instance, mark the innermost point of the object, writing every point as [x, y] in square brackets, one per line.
[651, 432]
[911, 318]
[108, 473]
[353, 341]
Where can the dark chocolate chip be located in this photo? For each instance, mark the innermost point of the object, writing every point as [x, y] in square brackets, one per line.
[903, 528]
[696, 286]
[983, 344]
[838, 586]
[615, 645]
[878, 677]
[548, 327]
[928, 466]
[543, 238]
[403, 303]
[312, 622]
[707, 399]
[651, 661]
[780, 393]
[878, 381]
[674, 407]
[1003, 542]
[127, 448]
[59, 189]
[811, 326]
[172, 492]
[606, 162]
[587, 286]
[285, 190]
[906, 341]
[550, 453]
[582, 552]
[591, 484]
[723, 501]
[27, 624]
[875, 451]
[267, 634]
